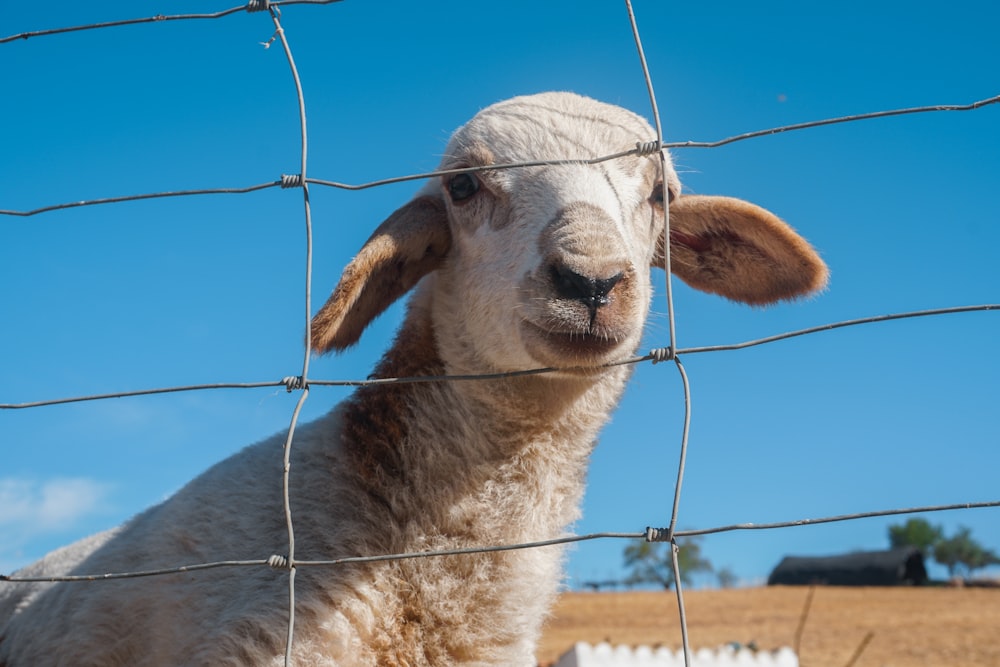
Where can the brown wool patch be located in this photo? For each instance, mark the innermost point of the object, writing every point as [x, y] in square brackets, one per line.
[376, 417]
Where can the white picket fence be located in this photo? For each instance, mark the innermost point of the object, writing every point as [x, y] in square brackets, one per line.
[605, 655]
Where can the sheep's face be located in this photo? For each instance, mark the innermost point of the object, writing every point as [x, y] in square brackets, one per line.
[548, 265]
[551, 263]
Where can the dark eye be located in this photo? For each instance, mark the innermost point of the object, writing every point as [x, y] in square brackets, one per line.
[462, 186]
[656, 199]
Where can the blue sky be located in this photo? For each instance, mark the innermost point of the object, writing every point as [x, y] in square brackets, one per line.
[210, 289]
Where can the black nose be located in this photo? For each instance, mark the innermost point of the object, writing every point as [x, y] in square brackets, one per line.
[592, 292]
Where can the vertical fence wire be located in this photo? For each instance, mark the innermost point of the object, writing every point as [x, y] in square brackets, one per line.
[672, 340]
[304, 380]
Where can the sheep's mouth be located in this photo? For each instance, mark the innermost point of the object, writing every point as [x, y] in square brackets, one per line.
[561, 348]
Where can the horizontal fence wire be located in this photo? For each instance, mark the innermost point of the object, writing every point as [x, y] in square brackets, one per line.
[657, 355]
[251, 6]
[303, 382]
[642, 148]
[651, 534]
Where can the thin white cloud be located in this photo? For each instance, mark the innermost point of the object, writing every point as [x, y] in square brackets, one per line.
[38, 515]
[30, 506]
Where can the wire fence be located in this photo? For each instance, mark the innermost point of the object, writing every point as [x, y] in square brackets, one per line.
[301, 383]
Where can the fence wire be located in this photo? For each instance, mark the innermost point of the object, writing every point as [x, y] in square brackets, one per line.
[303, 382]
[296, 180]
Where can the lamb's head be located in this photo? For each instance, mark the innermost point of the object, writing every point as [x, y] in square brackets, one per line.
[548, 265]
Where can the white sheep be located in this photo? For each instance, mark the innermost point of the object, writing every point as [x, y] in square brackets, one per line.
[545, 266]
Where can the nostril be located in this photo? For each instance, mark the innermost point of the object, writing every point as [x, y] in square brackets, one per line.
[591, 291]
[603, 287]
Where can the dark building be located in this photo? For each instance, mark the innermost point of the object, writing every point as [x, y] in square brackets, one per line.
[895, 567]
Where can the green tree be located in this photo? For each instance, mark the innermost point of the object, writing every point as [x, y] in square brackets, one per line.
[726, 578]
[651, 563]
[961, 553]
[917, 533]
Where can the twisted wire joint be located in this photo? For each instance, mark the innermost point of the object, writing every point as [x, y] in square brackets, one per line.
[258, 5]
[658, 534]
[277, 562]
[647, 147]
[291, 180]
[293, 382]
[662, 354]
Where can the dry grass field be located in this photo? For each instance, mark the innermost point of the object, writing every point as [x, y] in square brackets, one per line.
[939, 626]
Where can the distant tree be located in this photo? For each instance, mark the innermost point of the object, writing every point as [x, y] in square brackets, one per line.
[962, 553]
[651, 563]
[726, 578]
[917, 533]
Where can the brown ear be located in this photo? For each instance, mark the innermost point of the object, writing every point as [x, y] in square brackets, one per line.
[740, 251]
[412, 242]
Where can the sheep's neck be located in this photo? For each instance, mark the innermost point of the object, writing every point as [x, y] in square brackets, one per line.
[453, 440]
[448, 465]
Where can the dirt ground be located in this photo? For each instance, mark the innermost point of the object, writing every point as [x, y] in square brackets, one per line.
[908, 626]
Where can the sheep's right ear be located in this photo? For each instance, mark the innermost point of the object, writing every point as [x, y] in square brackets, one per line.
[740, 251]
[411, 243]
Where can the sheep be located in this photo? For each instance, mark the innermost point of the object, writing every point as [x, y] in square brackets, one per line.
[542, 266]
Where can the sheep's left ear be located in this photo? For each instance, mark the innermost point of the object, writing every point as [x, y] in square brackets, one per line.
[740, 251]
[411, 243]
